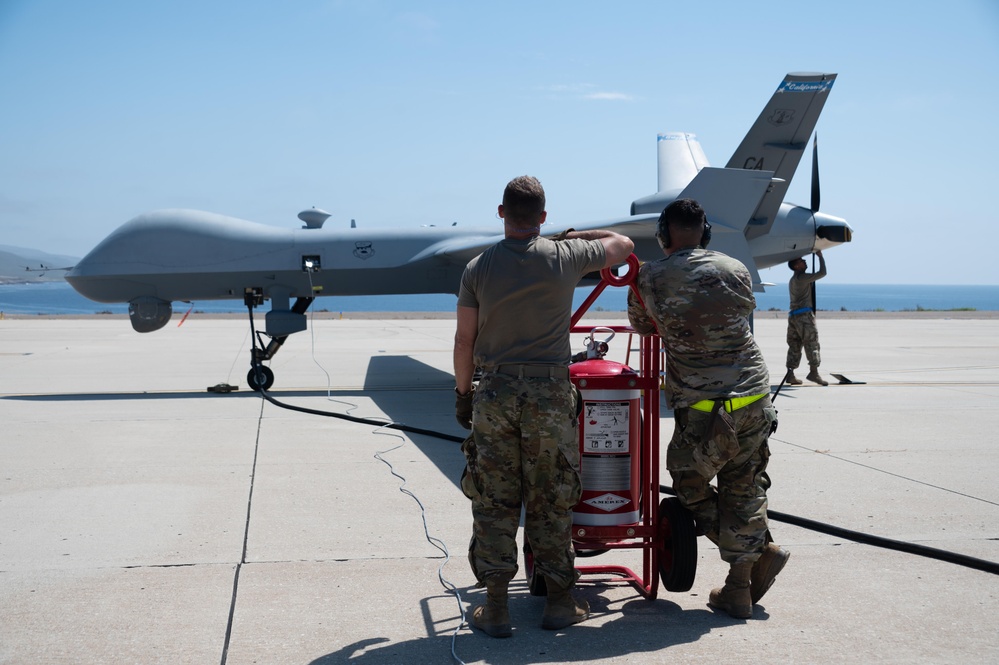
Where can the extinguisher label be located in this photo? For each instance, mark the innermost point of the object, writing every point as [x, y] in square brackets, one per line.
[607, 502]
[606, 427]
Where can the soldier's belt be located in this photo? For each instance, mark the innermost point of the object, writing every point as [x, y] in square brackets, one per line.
[534, 371]
[733, 404]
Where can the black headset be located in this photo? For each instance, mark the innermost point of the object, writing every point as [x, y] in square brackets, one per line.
[662, 232]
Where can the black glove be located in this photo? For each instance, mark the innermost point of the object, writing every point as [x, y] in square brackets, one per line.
[463, 407]
[562, 235]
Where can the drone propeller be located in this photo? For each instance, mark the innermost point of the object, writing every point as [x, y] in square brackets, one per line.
[815, 199]
[815, 173]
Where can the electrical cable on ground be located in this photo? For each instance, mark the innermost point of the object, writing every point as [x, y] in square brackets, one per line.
[813, 525]
[236, 359]
[449, 586]
[877, 541]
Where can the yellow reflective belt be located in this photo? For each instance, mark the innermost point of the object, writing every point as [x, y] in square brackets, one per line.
[731, 405]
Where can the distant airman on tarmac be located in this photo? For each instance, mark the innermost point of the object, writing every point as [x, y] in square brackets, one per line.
[801, 329]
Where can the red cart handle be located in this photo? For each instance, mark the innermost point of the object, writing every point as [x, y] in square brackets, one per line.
[624, 280]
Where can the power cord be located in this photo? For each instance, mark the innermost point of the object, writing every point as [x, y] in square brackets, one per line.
[877, 541]
[439, 544]
[449, 586]
[236, 359]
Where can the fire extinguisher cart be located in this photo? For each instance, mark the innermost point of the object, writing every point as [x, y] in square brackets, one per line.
[619, 452]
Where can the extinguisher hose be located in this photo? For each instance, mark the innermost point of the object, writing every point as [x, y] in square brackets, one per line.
[877, 541]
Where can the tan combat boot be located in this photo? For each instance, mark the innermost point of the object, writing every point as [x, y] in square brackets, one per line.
[734, 597]
[792, 380]
[561, 609]
[765, 570]
[493, 617]
[814, 376]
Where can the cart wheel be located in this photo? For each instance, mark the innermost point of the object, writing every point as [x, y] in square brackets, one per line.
[535, 583]
[677, 544]
[260, 378]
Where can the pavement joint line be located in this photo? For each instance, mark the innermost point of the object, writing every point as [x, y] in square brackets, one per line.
[826, 453]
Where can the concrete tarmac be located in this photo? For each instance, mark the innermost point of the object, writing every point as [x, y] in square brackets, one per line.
[144, 519]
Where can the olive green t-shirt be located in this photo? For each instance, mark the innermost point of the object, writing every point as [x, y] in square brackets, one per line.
[523, 290]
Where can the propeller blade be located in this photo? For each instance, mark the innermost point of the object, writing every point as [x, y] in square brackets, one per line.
[815, 173]
[815, 202]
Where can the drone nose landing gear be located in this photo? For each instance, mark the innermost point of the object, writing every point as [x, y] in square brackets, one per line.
[280, 324]
[260, 377]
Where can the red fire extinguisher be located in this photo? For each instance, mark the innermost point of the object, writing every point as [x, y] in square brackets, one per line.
[609, 437]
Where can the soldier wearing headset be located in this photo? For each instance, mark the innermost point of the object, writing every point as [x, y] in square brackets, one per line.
[700, 302]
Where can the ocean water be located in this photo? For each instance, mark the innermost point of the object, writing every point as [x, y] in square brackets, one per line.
[60, 298]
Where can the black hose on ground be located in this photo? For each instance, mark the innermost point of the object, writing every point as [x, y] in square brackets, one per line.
[330, 414]
[803, 522]
[877, 541]
[364, 421]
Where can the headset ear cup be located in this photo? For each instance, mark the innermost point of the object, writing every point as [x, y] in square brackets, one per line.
[663, 239]
[662, 231]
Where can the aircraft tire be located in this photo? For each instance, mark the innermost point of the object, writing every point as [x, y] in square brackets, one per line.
[260, 378]
[676, 538]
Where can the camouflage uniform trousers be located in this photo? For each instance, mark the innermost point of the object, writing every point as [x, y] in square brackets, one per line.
[732, 447]
[523, 450]
[802, 332]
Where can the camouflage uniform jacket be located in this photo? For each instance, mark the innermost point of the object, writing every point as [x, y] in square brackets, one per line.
[700, 301]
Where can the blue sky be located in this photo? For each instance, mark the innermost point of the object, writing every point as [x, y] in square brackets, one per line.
[404, 113]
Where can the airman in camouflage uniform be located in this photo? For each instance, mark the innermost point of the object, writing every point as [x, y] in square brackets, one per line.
[542, 472]
[801, 329]
[700, 303]
[514, 309]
